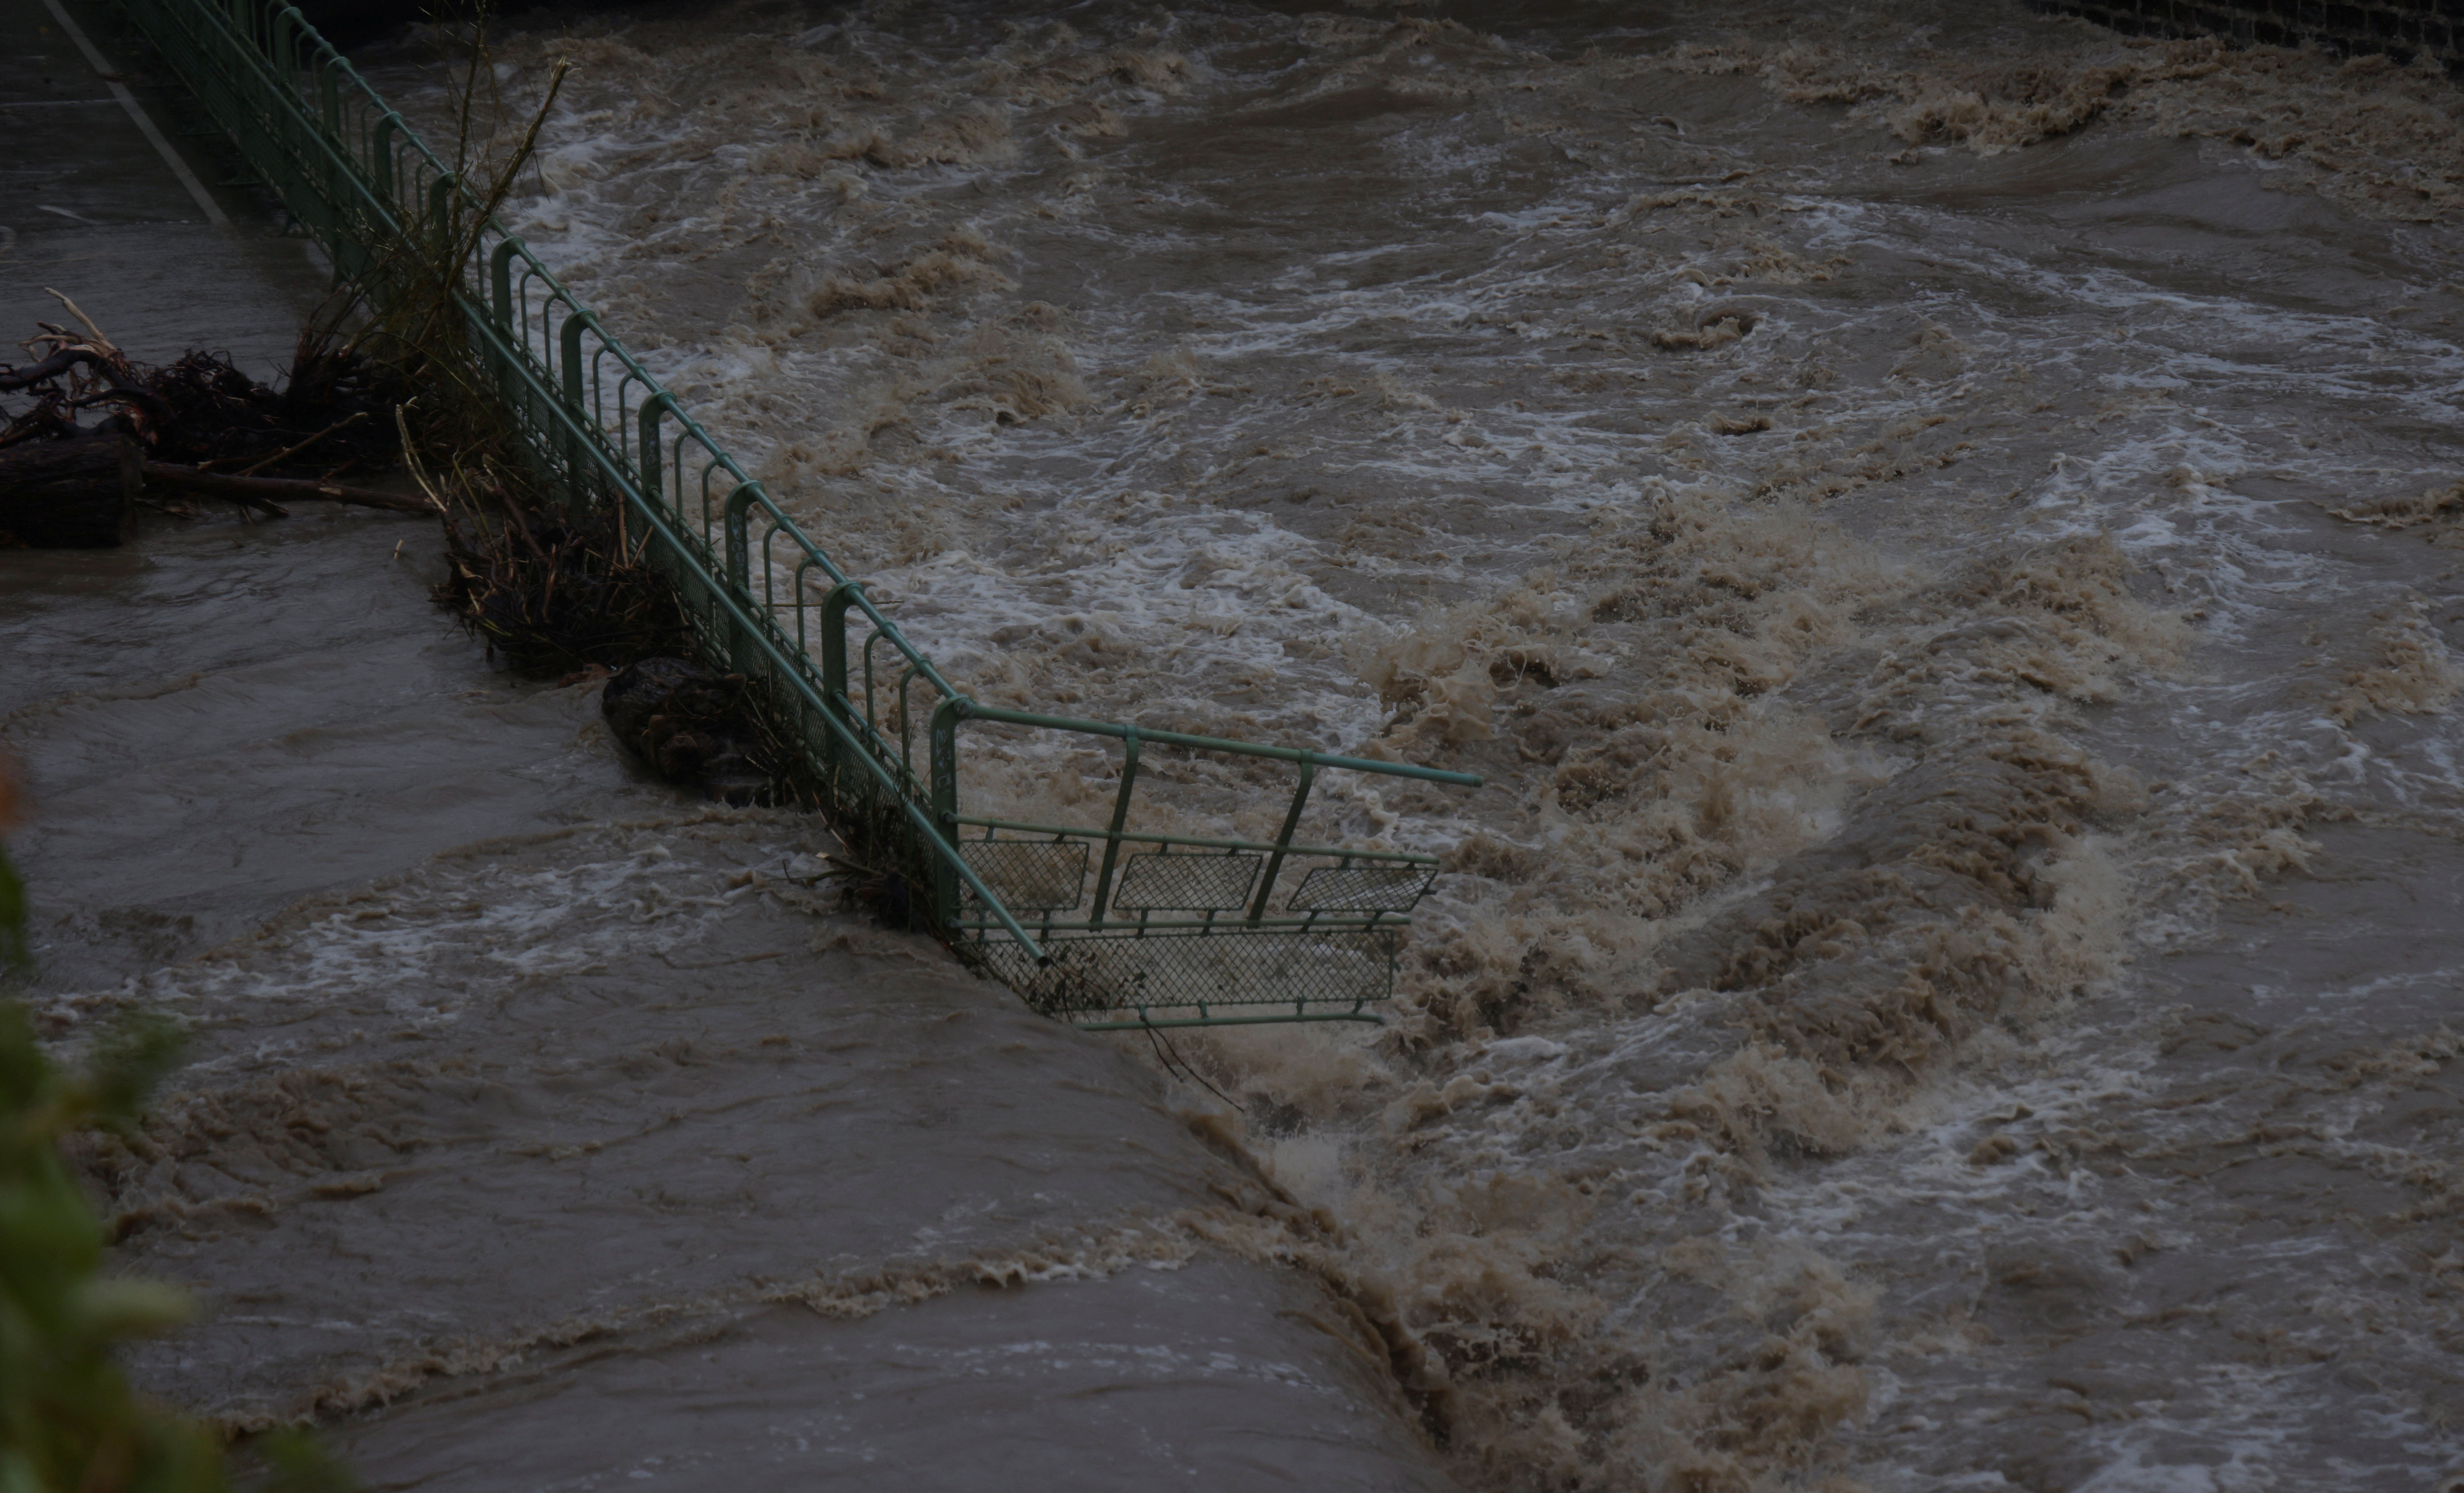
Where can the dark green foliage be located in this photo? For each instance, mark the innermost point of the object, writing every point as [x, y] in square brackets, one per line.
[68, 1419]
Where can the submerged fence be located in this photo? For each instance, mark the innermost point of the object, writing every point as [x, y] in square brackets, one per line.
[1174, 930]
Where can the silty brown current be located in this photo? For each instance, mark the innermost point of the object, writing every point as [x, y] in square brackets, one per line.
[1941, 525]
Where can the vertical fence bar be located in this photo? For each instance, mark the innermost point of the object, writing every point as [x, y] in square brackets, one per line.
[1121, 821]
[834, 649]
[943, 750]
[500, 282]
[1284, 841]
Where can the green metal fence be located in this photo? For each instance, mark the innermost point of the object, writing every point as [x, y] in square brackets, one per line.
[1105, 925]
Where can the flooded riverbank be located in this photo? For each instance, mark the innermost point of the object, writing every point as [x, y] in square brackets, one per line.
[540, 1122]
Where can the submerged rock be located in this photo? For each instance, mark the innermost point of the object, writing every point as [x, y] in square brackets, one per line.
[685, 721]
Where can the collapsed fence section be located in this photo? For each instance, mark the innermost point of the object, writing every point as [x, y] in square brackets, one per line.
[1179, 929]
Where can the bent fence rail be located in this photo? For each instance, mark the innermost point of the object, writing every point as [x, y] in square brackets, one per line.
[1250, 931]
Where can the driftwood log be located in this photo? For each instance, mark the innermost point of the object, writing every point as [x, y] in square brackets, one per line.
[70, 495]
[265, 492]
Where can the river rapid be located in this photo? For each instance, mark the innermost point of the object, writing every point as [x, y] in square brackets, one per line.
[1942, 526]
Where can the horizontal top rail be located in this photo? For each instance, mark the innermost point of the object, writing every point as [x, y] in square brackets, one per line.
[973, 711]
[1399, 857]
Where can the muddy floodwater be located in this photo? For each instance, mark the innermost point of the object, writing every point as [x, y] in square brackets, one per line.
[1942, 528]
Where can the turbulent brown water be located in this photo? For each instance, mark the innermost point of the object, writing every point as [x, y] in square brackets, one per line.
[1941, 527]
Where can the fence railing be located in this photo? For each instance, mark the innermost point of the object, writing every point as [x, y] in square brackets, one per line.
[1247, 932]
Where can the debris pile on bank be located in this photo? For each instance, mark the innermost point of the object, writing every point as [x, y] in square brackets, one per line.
[197, 426]
[551, 593]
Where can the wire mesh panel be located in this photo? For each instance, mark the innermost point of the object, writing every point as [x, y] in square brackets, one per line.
[1193, 977]
[1159, 882]
[1362, 889]
[1030, 875]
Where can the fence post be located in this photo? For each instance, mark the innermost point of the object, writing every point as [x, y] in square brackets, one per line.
[381, 160]
[284, 34]
[736, 517]
[737, 559]
[569, 341]
[944, 768]
[1284, 841]
[649, 459]
[834, 663]
[500, 280]
[329, 96]
[1121, 821]
[440, 222]
[569, 354]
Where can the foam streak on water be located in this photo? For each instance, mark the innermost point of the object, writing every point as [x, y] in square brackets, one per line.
[1940, 525]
